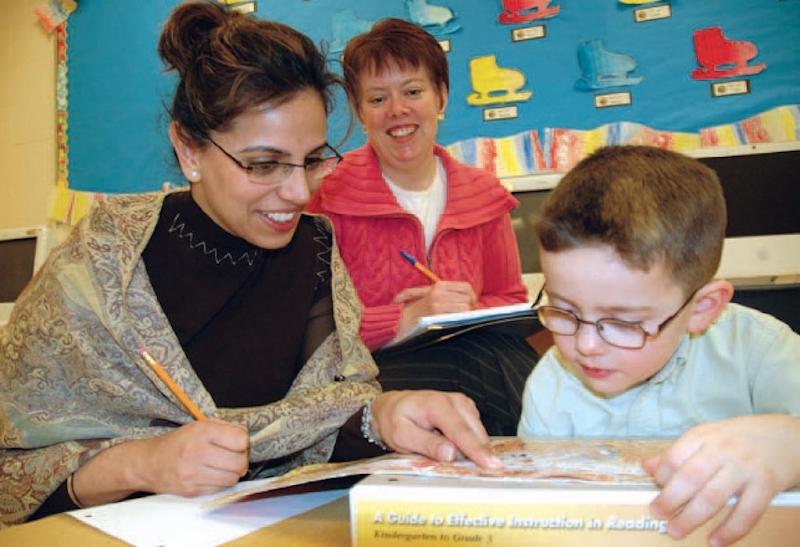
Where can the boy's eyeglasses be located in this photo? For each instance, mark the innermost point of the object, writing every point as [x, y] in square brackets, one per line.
[615, 332]
[273, 172]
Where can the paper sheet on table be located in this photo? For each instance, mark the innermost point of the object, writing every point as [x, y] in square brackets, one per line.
[173, 521]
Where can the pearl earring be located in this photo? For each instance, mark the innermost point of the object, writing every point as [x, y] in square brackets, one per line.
[440, 116]
[194, 175]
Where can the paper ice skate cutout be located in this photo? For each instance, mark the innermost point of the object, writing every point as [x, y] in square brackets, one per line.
[520, 11]
[346, 25]
[602, 68]
[719, 57]
[492, 84]
[436, 19]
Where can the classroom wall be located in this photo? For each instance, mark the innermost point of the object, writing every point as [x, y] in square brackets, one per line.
[117, 86]
[27, 116]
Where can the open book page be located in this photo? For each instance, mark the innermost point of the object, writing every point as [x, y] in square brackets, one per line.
[609, 461]
[449, 321]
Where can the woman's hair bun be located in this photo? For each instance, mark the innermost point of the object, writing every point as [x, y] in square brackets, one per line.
[186, 34]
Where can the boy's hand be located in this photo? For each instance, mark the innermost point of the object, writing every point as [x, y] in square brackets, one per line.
[750, 457]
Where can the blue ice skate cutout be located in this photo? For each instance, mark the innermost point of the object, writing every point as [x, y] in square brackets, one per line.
[602, 68]
[346, 25]
[435, 19]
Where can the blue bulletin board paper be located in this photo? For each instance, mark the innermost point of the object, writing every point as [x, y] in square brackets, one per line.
[117, 89]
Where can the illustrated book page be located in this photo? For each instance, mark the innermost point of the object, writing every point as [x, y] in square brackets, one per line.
[525, 460]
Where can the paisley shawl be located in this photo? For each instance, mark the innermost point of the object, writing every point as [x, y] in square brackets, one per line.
[72, 382]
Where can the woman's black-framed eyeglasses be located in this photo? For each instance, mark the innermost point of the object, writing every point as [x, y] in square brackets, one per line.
[273, 172]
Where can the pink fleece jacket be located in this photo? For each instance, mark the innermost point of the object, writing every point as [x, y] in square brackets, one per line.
[474, 241]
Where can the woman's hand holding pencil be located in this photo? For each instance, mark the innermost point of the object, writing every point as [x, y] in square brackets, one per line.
[441, 297]
[200, 457]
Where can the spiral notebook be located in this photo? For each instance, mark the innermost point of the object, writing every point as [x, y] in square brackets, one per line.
[519, 319]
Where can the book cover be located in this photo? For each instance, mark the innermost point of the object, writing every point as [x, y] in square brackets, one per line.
[551, 492]
[404, 510]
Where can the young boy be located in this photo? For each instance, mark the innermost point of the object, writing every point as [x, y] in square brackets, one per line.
[647, 345]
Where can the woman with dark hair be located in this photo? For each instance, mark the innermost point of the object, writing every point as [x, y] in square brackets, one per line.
[239, 295]
[401, 191]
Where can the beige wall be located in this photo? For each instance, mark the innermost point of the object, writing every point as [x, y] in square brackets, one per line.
[27, 116]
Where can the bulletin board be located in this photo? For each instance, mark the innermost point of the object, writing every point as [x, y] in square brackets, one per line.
[518, 67]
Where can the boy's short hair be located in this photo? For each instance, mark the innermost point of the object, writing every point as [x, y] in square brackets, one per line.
[648, 204]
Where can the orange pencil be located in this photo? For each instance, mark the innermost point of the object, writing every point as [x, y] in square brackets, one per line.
[420, 266]
[173, 387]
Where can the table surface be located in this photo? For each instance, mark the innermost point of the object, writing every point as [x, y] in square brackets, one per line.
[327, 525]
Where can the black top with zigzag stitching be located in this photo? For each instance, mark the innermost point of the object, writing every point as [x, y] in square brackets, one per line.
[247, 318]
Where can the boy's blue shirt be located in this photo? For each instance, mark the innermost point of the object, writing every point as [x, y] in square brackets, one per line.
[746, 363]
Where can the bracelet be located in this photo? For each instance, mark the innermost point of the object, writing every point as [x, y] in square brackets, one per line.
[366, 428]
[71, 492]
